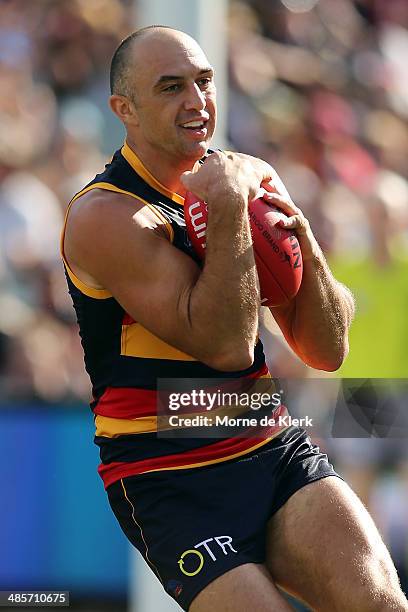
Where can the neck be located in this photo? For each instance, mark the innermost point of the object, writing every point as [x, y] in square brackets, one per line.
[166, 171]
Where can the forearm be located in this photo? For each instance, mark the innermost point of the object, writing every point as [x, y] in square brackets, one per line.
[321, 316]
[225, 298]
[317, 320]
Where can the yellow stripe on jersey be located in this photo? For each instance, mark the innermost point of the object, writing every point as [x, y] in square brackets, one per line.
[98, 294]
[142, 171]
[137, 341]
[110, 427]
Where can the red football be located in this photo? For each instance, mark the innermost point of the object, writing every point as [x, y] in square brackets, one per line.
[277, 251]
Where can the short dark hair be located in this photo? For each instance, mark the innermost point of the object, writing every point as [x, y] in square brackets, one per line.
[120, 65]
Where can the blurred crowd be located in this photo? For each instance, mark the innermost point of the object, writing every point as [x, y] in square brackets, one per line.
[56, 132]
[317, 87]
[320, 89]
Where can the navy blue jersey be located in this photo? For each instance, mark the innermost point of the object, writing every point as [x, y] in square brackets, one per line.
[124, 359]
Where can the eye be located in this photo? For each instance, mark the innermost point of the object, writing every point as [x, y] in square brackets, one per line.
[204, 82]
[172, 88]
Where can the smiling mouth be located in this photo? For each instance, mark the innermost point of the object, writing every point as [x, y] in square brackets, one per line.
[197, 125]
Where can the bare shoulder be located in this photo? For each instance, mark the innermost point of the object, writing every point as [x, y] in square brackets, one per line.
[101, 210]
[117, 243]
[100, 218]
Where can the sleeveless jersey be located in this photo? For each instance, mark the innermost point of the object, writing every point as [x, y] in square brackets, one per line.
[124, 359]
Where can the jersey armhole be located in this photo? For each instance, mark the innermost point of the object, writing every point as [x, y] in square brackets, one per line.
[79, 284]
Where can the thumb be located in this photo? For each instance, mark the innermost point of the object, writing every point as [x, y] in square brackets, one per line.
[185, 178]
[192, 183]
[188, 180]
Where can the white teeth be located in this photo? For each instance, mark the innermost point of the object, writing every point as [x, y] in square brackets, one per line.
[194, 124]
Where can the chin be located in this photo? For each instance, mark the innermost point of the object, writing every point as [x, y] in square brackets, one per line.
[197, 151]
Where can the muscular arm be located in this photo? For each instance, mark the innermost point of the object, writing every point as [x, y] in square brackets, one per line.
[210, 314]
[223, 305]
[317, 321]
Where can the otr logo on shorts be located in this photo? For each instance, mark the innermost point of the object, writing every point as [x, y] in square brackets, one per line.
[191, 561]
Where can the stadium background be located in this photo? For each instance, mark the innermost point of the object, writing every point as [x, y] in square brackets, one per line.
[319, 89]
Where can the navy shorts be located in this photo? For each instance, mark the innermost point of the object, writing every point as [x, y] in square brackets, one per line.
[193, 525]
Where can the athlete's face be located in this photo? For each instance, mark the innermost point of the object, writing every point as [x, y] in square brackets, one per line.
[174, 95]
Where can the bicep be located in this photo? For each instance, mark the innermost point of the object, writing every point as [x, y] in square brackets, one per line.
[147, 275]
[153, 280]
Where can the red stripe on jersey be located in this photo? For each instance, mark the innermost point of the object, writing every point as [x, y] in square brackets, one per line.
[263, 371]
[127, 319]
[132, 402]
[127, 403]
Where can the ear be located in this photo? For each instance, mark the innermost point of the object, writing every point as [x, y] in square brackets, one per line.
[124, 109]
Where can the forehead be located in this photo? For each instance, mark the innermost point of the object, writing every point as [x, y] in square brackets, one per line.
[158, 56]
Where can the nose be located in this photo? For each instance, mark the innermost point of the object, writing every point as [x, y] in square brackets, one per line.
[195, 99]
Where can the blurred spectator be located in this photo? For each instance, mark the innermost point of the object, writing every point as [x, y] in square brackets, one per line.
[56, 132]
[319, 89]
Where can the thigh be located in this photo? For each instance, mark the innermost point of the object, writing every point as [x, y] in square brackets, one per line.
[194, 526]
[248, 587]
[323, 547]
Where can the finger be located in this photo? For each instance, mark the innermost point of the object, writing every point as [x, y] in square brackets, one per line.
[186, 178]
[193, 184]
[268, 185]
[296, 222]
[216, 155]
[281, 202]
[272, 186]
[276, 184]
